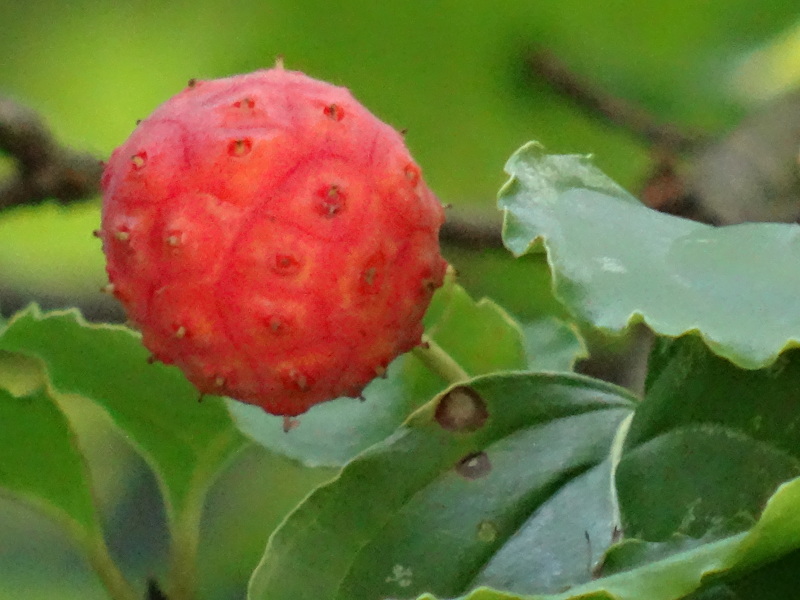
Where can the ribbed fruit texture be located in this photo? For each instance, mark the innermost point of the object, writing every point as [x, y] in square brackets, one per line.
[271, 238]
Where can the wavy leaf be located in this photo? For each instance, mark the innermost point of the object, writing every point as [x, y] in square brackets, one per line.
[615, 262]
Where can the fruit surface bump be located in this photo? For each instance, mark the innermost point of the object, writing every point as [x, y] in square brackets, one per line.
[271, 238]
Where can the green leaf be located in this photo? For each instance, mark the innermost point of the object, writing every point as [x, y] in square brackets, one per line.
[333, 432]
[455, 496]
[553, 345]
[185, 443]
[774, 581]
[561, 542]
[694, 462]
[456, 323]
[705, 452]
[615, 262]
[677, 572]
[41, 463]
[695, 479]
[709, 444]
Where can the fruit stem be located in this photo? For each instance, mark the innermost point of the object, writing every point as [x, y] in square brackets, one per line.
[434, 357]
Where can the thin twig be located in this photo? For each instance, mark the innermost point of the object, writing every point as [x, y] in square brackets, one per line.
[44, 169]
[624, 114]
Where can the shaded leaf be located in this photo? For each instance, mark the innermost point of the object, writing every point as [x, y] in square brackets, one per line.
[706, 450]
[678, 573]
[185, 442]
[709, 444]
[615, 261]
[333, 432]
[774, 581]
[561, 542]
[552, 345]
[461, 494]
[41, 463]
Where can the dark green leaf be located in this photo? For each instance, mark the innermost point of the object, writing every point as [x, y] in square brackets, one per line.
[451, 485]
[775, 581]
[675, 572]
[709, 443]
[560, 544]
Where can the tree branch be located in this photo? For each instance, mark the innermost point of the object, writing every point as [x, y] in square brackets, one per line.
[619, 112]
[475, 233]
[44, 169]
[47, 170]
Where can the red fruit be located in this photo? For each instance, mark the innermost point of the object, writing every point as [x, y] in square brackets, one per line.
[271, 238]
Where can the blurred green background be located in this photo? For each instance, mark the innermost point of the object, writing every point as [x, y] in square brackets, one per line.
[452, 72]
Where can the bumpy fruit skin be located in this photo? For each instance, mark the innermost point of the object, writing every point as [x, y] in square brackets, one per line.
[271, 238]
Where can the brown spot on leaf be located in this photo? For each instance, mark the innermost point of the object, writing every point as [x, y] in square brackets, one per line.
[487, 531]
[474, 465]
[461, 410]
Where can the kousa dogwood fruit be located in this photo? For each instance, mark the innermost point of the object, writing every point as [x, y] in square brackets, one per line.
[272, 238]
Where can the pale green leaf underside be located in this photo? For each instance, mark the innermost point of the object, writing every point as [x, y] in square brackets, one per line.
[553, 345]
[373, 532]
[615, 261]
[776, 534]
